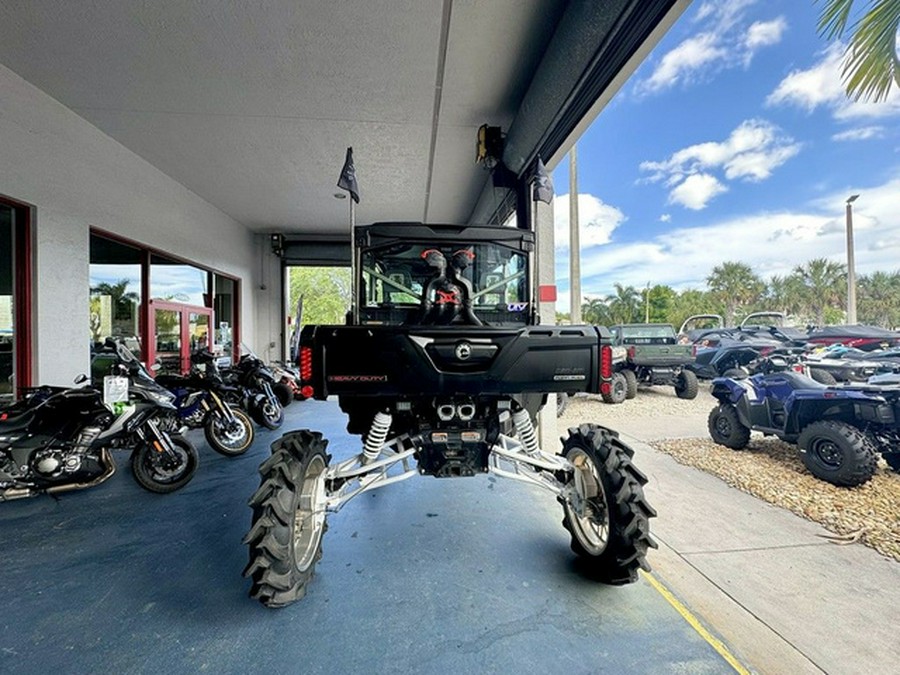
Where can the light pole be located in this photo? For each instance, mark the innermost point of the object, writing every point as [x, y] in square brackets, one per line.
[851, 271]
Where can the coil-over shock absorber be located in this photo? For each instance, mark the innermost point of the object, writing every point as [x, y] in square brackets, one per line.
[376, 437]
[525, 431]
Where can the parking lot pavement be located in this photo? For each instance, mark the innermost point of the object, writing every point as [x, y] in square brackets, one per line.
[426, 576]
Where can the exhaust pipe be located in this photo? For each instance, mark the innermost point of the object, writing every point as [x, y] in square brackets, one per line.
[466, 411]
[446, 412]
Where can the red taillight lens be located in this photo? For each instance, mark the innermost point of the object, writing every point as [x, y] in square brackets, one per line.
[307, 391]
[606, 371]
[305, 363]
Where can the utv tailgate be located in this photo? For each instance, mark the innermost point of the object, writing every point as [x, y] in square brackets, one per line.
[416, 361]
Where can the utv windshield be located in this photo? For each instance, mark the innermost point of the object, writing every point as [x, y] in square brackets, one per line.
[444, 283]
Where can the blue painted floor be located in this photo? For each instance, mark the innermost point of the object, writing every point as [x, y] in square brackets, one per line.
[468, 575]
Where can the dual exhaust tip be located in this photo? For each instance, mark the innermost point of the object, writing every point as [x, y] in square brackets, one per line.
[450, 411]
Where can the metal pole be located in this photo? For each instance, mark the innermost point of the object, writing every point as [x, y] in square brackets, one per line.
[354, 267]
[647, 304]
[851, 269]
[574, 242]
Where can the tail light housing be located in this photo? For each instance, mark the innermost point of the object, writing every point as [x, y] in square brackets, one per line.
[631, 352]
[306, 359]
[606, 368]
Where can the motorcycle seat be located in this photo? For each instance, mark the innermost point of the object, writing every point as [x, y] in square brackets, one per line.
[17, 422]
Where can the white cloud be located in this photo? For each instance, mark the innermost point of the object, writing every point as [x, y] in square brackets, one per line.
[681, 63]
[770, 242]
[696, 191]
[597, 219]
[821, 85]
[665, 218]
[764, 33]
[751, 152]
[860, 134]
[723, 41]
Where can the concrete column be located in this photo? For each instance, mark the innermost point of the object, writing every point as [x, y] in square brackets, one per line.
[546, 276]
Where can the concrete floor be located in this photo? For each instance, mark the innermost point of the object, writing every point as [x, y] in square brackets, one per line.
[427, 576]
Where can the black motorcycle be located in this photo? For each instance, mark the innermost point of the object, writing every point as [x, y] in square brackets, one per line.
[258, 381]
[201, 402]
[61, 439]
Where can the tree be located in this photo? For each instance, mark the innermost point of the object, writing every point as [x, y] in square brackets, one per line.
[879, 299]
[688, 303]
[325, 292]
[871, 66]
[735, 285]
[122, 300]
[595, 311]
[824, 286]
[662, 299]
[624, 306]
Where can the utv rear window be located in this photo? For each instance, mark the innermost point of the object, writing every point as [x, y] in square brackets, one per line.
[396, 278]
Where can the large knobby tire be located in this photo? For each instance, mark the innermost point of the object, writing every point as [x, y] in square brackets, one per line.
[229, 438]
[158, 472]
[686, 385]
[617, 390]
[285, 537]
[735, 374]
[822, 376]
[631, 383]
[725, 427]
[606, 514]
[837, 452]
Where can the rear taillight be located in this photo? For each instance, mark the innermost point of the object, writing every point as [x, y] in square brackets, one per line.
[306, 363]
[631, 352]
[606, 370]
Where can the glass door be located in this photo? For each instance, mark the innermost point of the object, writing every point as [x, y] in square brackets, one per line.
[176, 331]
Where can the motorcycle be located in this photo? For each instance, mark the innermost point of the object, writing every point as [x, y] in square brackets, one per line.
[61, 439]
[287, 385]
[258, 380]
[200, 402]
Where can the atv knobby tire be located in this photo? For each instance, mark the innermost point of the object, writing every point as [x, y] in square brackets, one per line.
[725, 428]
[822, 376]
[631, 383]
[617, 390]
[838, 453]
[607, 515]
[735, 373]
[686, 385]
[285, 537]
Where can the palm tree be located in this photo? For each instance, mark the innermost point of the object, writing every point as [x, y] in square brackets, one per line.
[121, 298]
[825, 285]
[879, 299]
[625, 305]
[595, 311]
[735, 285]
[786, 294]
[871, 65]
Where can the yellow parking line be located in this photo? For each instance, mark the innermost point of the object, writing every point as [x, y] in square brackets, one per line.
[694, 622]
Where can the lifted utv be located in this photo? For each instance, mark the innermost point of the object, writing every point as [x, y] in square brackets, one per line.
[441, 371]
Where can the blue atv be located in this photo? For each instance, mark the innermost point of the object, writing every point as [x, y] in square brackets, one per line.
[840, 430]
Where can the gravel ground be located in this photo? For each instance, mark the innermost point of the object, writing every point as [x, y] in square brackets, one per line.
[768, 469]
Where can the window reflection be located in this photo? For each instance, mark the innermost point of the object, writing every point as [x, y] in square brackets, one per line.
[7, 335]
[173, 281]
[115, 278]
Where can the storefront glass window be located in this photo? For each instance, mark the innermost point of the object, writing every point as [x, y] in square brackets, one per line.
[115, 275]
[7, 327]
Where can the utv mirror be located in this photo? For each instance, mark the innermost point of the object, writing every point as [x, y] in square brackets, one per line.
[81, 379]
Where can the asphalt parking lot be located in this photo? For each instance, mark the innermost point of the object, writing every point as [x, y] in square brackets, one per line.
[426, 576]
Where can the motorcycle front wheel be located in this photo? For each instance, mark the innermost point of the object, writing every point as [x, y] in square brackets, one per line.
[229, 438]
[267, 413]
[161, 473]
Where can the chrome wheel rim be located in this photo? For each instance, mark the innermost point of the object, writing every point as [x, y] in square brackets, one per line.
[309, 519]
[588, 512]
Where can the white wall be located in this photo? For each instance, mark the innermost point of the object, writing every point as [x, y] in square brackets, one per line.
[78, 178]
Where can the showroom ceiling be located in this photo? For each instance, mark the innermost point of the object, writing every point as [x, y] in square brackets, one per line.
[252, 105]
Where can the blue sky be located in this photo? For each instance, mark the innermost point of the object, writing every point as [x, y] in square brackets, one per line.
[733, 141]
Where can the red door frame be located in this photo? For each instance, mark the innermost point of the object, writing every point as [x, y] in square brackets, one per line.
[23, 265]
[185, 336]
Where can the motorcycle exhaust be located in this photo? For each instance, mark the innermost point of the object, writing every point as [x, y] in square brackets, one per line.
[106, 459]
[15, 493]
[446, 412]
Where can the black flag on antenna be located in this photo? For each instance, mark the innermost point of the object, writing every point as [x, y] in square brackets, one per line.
[542, 191]
[347, 181]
